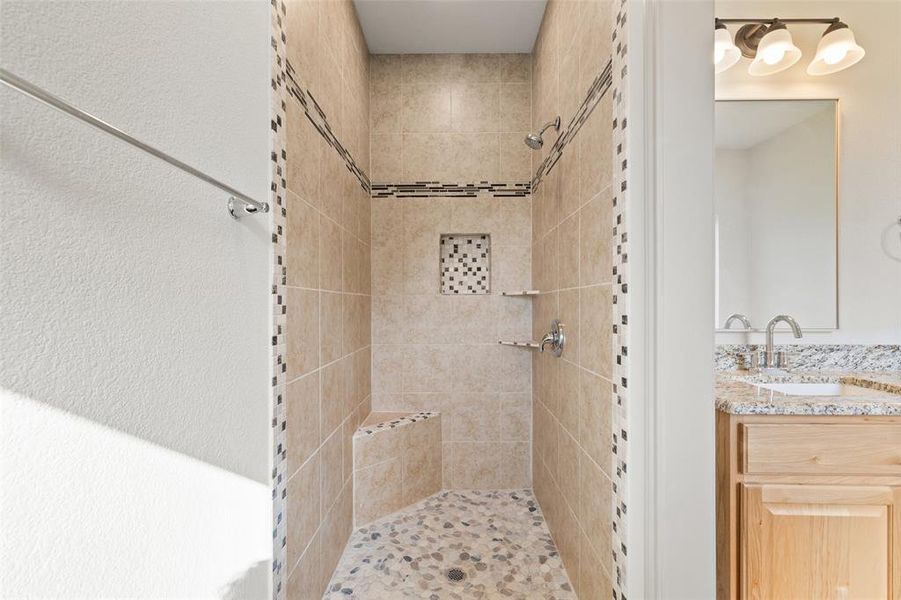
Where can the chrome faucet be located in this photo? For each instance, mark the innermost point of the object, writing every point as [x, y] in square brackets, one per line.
[771, 358]
[737, 317]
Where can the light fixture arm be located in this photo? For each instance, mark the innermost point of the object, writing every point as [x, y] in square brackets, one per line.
[824, 21]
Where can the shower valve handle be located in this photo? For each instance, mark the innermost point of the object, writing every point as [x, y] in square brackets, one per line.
[556, 339]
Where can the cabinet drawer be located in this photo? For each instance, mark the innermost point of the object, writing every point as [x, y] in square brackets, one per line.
[821, 449]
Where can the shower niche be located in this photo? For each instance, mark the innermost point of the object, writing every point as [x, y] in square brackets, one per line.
[465, 263]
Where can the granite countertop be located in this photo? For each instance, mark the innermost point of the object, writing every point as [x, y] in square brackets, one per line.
[881, 394]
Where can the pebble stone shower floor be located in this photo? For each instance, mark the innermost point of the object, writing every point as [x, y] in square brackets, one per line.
[455, 545]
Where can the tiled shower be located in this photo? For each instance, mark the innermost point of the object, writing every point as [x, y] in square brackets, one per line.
[414, 231]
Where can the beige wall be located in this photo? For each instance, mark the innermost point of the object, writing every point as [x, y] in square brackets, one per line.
[571, 264]
[450, 117]
[454, 118]
[327, 273]
[439, 353]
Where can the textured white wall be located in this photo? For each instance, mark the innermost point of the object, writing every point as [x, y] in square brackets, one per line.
[869, 301]
[134, 328]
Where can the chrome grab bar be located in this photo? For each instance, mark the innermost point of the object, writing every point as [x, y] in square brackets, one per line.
[238, 204]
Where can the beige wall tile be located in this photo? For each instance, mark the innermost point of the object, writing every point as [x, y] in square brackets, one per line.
[388, 369]
[334, 532]
[426, 107]
[303, 581]
[593, 580]
[513, 222]
[515, 67]
[516, 107]
[302, 243]
[568, 468]
[595, 327]
[331, 472]
[516, 467]
[387, 159]
[379, 491]
[515, 417]
[302, 416]
[514, 318]
[428, 157]
[386, 109]
[570, 166]
[516, 157]
[333, 397]
[331, 330]
[302, 343]
[379, 447]
[568, 312]
[596, 515]
[476, 419]
[475, 107]
[568, 239]
[389, 325]
[303, 508]
[475, 157]
[386, 70]
[569, 405]
[595, 234]
[305, 145]
[595, 140]
[357, 324]
[476, 465]
[596, 435]
[330, 248]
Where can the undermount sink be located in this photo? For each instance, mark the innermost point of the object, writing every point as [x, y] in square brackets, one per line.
[815, 389]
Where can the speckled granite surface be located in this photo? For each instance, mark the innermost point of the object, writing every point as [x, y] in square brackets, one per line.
[818, 357]
[736, 394]
[455, 545]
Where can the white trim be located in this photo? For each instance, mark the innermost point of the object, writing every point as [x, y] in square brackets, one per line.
[671, 520]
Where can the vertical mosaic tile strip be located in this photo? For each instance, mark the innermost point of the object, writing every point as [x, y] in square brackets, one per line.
[465, 261]
[598, 90]
[620, 298]
[278, 196]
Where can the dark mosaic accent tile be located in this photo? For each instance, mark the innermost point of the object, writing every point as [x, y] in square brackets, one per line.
[465, 263]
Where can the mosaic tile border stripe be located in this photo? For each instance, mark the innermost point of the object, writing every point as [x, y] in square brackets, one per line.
[432, 189]
[621, 300]
[818, 357]
[395, 423]
[318, 119]
[598, 90]
[278, 196]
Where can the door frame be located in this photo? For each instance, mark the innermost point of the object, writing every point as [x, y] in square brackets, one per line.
[671, 487]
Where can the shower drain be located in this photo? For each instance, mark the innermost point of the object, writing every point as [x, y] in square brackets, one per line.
[456, 575]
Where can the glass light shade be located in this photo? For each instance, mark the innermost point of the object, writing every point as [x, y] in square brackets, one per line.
[725, 52]
[837, 50]
[775, 53]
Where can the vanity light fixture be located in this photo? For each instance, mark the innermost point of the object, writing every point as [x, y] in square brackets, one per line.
[837, 50]
[775, 52]
[769, 44]
[725, 52]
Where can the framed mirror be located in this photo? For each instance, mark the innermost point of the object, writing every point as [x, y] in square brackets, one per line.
[776, 201]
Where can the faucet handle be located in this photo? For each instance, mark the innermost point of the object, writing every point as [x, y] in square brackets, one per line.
[556, 338]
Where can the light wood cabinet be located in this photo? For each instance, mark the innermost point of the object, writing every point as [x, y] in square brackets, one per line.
[808, 507]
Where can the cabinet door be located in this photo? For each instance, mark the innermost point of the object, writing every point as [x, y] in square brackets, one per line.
[818, 541]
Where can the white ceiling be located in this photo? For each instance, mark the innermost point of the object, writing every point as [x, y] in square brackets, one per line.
[743, 124]
[427, 26]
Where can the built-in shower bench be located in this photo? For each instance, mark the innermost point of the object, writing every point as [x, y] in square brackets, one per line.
[397, 462]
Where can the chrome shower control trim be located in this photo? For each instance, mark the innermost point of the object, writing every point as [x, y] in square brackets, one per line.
[556, 339]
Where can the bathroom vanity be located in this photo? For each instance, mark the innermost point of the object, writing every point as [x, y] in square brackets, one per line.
[808, 485]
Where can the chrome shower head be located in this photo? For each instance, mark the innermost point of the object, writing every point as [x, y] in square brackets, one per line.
[535, 141]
